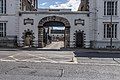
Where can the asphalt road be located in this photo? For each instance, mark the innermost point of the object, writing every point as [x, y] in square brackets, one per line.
[58, 65]
[48, 71]
[37, 56]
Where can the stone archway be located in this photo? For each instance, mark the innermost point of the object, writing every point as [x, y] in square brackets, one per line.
[58, 19]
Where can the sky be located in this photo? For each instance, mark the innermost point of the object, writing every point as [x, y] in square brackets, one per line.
[56, 4]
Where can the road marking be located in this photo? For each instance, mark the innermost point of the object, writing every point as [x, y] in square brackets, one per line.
[44, 58]
[13, 57]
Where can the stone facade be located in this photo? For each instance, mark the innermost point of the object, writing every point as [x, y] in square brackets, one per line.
[91, 21]
[28, 5]
[68, 19]
[84, 5]
[98, 18]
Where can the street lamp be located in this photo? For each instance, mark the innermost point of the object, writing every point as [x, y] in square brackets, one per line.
[111, 27]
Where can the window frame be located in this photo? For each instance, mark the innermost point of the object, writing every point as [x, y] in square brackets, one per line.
[3, 7]
[2, 29]
[107, 30]
[107, 7]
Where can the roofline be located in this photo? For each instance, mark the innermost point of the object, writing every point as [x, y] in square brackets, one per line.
[54, 12]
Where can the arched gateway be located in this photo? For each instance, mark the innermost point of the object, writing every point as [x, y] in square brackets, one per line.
[53, 19]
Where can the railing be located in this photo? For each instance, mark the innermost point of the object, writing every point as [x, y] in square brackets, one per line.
[104, 44]
[98, 44]
[8, 41]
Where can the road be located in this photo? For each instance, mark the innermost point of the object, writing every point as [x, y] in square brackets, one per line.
[54, 65]
[37, 56]
[48, 71]
[45, 64]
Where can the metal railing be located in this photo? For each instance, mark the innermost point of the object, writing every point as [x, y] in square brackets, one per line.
[8, 41]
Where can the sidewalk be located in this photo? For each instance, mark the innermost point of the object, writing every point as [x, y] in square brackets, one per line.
[37, 56]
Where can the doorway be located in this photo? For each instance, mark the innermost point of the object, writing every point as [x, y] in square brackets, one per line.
[79, 41]
[28, 38]
[53, 28]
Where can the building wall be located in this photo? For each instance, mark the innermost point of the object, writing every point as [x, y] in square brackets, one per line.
[97, 19]
[93, 28]
[70, 16]
[10, 17]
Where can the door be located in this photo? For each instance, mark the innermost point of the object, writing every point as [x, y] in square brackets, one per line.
[79, 39]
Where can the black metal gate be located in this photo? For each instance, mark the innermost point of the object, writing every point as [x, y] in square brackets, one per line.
[79, 39]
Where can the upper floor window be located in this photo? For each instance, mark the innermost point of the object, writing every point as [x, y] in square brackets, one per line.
[3, 6]
[110, 31]
[2, 29]
[110, 7]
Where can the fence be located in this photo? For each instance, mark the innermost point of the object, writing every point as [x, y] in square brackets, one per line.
[8, 41]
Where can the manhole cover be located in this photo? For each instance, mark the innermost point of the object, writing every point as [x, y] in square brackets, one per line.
[36, 72]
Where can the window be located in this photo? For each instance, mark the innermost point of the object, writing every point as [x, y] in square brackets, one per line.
[108, 30]
[3, 6]
[110, 7]
[2, 29]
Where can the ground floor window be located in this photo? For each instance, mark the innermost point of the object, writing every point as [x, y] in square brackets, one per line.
[110, 31]
[2, 29]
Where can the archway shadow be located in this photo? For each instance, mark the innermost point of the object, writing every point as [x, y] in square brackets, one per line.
[41, 49]
[97, 54]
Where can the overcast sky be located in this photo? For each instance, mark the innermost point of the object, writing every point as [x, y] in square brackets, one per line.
[65, 4]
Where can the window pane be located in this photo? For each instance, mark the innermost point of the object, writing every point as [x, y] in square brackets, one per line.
[108, 8]
[105, 8]
[4, 29]
[0, 6]
[5, 7]
[110, 31]
[116, 8]
[1, 34]
[111, 7]
[104, 30]
[115, 30]
[1, 27]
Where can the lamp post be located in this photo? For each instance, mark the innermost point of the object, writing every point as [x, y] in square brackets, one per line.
[111, 27]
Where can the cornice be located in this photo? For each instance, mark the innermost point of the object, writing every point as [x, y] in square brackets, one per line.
[53, 12]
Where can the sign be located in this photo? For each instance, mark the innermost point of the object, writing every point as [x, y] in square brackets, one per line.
[28, 21]
[79, 21]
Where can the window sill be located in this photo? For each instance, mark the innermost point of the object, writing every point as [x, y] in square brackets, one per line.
[115, 39]
[3, 14]
[110, 16]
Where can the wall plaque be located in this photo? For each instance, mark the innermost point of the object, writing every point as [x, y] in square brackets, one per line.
[79, 21]
[28, 21]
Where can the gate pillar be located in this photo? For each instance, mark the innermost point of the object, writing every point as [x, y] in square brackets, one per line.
[40, 37]
[67, 37]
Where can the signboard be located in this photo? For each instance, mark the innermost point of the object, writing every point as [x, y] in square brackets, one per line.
[79, 21]
[28, 21]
